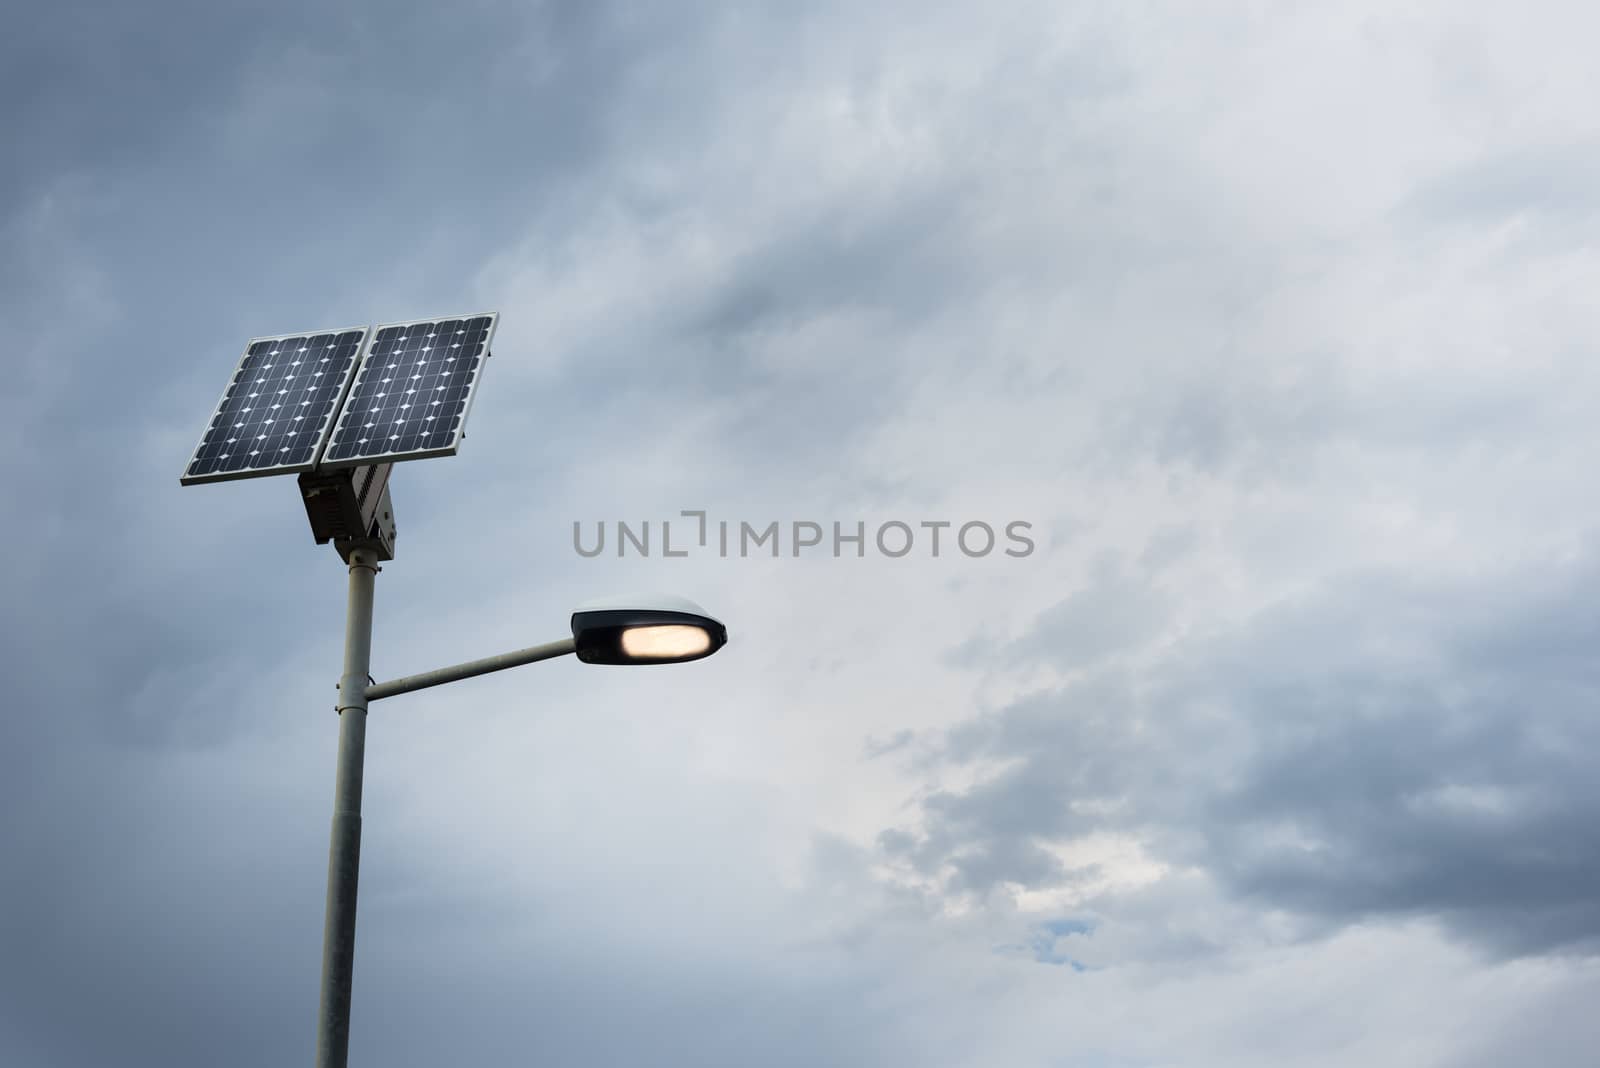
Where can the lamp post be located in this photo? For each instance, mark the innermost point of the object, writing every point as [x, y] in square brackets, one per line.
[340, 408]
[645, 629]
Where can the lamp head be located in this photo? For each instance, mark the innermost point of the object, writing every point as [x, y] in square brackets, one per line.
[645, 629]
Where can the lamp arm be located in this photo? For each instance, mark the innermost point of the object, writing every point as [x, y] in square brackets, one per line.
[439, 677]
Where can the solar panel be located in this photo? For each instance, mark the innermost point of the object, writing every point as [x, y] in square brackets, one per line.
[412, 391]
[278, 407]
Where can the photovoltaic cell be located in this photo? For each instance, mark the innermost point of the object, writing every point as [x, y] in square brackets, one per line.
[278, 407]
[412, 391]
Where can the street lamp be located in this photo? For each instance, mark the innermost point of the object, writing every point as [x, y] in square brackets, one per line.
[647, 629]
[658, 628]
[339, 408]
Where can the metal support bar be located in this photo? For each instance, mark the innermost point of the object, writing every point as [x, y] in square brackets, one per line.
[531, 655]
[344, 842]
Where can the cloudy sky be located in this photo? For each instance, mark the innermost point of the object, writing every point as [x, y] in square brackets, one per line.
[1275, 322]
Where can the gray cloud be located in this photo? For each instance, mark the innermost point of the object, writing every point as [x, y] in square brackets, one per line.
[1553, 183]
[1307, 770]
[1113, 613]
[774, 258]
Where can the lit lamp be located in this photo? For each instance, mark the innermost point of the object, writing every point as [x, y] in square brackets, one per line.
[645, 629]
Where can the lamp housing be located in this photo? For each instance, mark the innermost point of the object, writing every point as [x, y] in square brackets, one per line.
[645, 629]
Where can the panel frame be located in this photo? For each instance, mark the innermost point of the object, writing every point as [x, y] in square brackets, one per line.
[187, 479]
[416, 454]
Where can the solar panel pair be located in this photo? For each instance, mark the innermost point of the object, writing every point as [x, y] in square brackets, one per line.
[342, 398]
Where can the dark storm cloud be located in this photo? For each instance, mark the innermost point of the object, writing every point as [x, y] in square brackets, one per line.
[903, 256]
[370, 94]
[183, 175]
[1378, 749]
[178, 179]
[887, 261]
[191, 937]
[194, 176]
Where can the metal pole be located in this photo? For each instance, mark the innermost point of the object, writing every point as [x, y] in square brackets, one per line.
[344, 846]
[532, 654]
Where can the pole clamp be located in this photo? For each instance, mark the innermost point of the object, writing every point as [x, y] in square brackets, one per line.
[363, 706]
